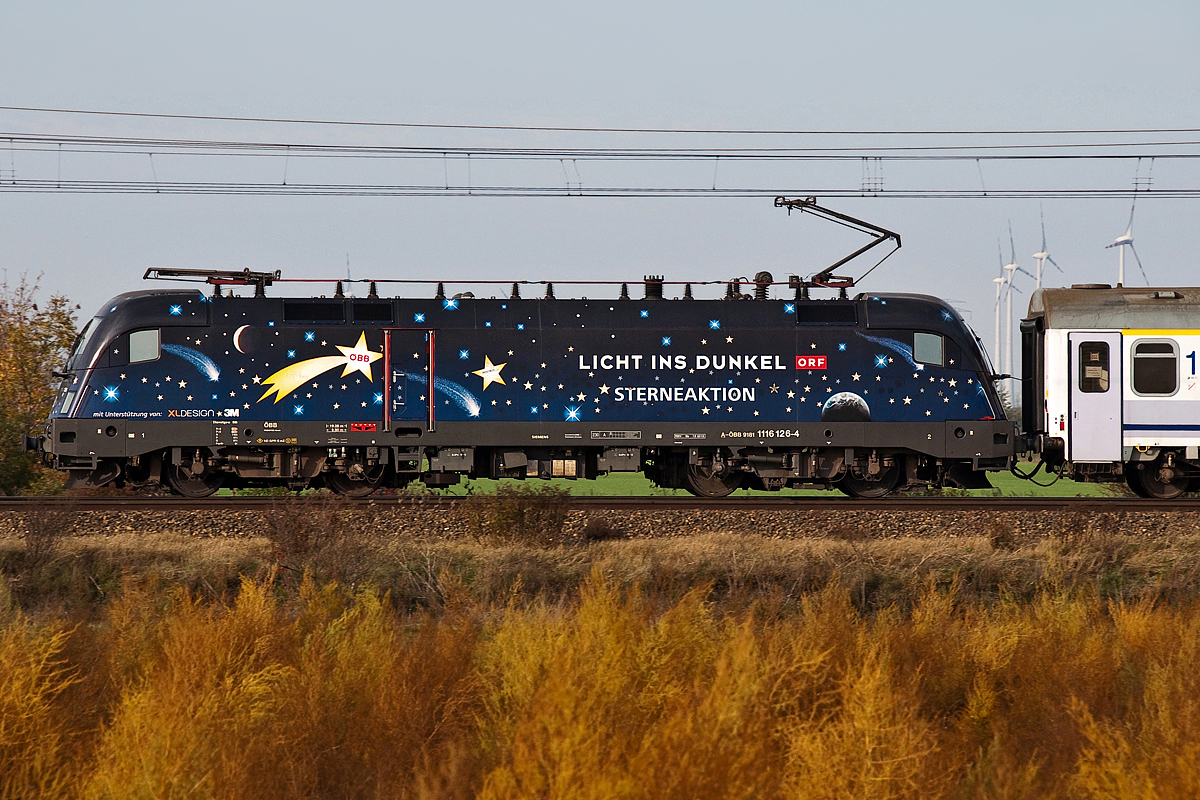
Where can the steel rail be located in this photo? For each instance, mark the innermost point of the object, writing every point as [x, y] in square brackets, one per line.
[1089, 505]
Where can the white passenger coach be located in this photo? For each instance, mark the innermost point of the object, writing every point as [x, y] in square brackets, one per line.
[1110, 390]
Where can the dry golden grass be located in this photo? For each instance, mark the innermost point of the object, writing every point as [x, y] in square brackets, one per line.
[718, 666]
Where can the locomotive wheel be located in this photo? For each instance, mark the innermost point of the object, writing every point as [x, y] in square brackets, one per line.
[863, 487]
[341, 483]
[703, 483]
[1154, 486]
[184, 483]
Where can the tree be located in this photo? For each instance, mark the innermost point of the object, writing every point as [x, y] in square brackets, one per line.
[33, 343]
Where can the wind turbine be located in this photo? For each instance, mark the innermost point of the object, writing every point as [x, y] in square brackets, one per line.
[1043, 255]
[1126, 240]
[1012, 268]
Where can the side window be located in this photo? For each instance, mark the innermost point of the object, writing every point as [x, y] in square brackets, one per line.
[1155, 368]
[1093, 366]
[928, 348]
[143, 346]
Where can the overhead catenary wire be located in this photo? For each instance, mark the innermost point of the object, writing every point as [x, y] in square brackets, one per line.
[596, 129]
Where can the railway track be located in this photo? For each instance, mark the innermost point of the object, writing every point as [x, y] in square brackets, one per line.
[640, 503]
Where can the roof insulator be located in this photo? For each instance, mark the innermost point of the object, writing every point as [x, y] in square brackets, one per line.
[516, 292]
[441, 292]
[654, 286]
[549, 291]
[624, 292]
[687, 292]
[762, 284]
[339, 293]
[374, 295]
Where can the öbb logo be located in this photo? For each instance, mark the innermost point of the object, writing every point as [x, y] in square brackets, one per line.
[364, 357]
[811, 362]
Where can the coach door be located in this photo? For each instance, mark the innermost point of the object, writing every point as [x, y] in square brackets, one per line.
[408, 388]
[1095, 431]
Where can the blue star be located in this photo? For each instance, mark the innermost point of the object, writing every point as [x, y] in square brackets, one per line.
[291, 353]
[946, 315]
[114, 308]
[520, 326]
[271, 324]
[379, 398]
[880, 362]
[666, 341]
[309, 336]
[644, 313]
[450, 304]
[487, 324]
[203, 299]
[842, 346]
[789, 308]
[715, 324]
[504, 305]
[572, 414]
[214, 397]
[418, 317]
[533, 409]
[175, 310]
[464, 354]
[112, 394]
[298, 410]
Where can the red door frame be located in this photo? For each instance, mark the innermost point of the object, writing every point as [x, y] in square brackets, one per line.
[387, 376]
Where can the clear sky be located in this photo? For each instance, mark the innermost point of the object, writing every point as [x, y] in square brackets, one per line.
[792, 66]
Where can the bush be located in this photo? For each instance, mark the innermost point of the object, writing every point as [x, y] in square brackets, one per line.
[520, 513]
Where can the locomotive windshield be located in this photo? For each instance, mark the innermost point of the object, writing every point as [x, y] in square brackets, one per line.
[81, 341]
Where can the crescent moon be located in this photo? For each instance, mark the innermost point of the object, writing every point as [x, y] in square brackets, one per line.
[236, 335]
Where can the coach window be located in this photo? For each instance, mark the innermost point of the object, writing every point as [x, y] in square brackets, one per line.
[927, 348]
[1093, 366]
[1155, 368]
[143, 346]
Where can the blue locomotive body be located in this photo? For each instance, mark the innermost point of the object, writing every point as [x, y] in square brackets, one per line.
[865, 394]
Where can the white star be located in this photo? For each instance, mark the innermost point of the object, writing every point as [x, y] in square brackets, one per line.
[928, 413]
[788, 409]
[570, 349]
[604, 387]
[953, 382]
[729, 339]
[756, 413]
[145, 379]
[242, 371]
[703, 410]
[856, 376]
[908, 401]
[189, 397]
[364, 405]
[528, 386]
[160, 397]
[892, 400]
[257, 379]
[581, 396]
[336, 406]
[791, 394]
[183, 385]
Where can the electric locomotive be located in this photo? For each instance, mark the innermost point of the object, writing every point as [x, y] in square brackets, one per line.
[1110, 386]
[197, 391]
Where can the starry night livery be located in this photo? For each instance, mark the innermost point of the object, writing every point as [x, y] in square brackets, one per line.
[199, 391]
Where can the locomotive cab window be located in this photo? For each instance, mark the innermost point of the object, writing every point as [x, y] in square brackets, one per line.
[1093, 367]
[928, 348]
[143, 346]
[1155, 368]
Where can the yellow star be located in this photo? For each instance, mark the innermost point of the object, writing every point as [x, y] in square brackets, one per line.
[490, 373]
[359, 358]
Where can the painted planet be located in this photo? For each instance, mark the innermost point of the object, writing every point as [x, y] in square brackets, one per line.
[845, 407]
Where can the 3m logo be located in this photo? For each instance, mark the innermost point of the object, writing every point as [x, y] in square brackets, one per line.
[810, 362]
[362, 426]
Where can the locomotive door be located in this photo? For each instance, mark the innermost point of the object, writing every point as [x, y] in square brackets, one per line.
[408, 384]
[1095, 398]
